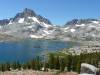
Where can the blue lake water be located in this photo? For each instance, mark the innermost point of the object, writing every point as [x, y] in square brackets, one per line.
[26, 50]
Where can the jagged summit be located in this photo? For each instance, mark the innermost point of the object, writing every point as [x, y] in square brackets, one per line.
[25, 13]
[26, 16]
[29, 12]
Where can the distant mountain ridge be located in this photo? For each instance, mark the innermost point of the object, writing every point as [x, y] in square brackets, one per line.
[4, 22]
[80, 21]
[27, 24]
[83, 29]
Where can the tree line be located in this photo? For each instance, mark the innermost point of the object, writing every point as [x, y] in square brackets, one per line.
[56, 61]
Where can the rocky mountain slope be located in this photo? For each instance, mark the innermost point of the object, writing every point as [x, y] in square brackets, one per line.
[84, 29]
[28, 24]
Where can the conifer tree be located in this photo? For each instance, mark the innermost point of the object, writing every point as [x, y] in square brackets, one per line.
[62, 64]
[51, 61]
[57, 63]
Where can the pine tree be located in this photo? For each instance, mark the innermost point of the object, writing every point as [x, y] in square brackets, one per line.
[37, 63]
[51, 61]
[7, 66]
[2, 67]
[57, 63]
[18, 65]
[62, 64]
[24, 66]
[69, 64]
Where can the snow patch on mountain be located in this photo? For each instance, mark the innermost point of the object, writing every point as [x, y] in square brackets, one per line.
[96, 22]
[80, 25]
[21, 20]
[92, 26]
[72, 30]
[46, 31]
[10, 23]
[66, 28]
[29, 27]
[35, 36]
[45, 25]
[34, 19]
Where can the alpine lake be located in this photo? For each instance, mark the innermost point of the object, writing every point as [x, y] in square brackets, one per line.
[27, 49]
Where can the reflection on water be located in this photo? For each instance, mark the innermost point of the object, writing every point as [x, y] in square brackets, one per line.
[28, 49]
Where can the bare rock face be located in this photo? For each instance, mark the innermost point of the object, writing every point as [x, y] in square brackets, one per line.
[42, 19]
[4, 21]
[88, 69]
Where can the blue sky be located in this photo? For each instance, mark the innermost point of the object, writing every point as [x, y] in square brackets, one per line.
[57, 11]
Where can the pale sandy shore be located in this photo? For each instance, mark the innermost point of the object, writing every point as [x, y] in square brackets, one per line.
[31, 72]
[26, 72]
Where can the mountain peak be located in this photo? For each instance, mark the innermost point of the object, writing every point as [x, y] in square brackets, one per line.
[28, 12]
[28, 15]
[24, 14]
